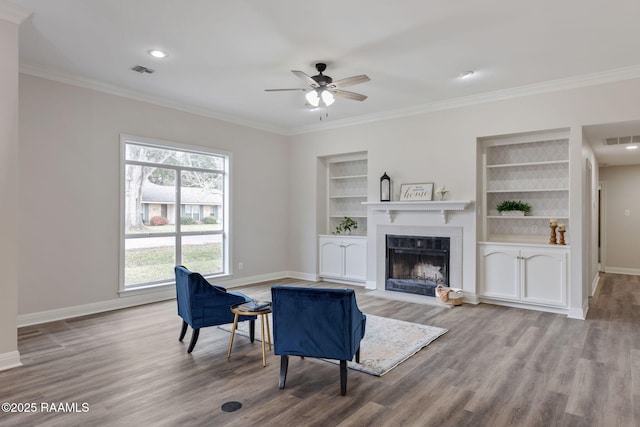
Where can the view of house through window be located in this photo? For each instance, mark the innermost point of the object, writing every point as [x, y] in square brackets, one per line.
[175, 208]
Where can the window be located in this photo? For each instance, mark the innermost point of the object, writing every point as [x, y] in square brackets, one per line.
[166, 191]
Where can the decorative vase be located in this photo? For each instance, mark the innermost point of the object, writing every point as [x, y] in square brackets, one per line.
[512, 213]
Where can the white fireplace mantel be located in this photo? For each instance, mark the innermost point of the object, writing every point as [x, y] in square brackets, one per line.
[443, 206]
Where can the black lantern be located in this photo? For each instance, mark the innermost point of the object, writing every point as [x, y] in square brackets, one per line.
[385, 188]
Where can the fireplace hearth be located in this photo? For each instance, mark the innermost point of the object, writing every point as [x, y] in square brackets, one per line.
[416, 264]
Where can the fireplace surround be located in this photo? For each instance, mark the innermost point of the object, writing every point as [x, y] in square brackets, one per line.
[378, 238]
[416, 264]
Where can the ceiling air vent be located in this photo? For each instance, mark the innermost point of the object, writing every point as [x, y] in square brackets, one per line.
[140, 69]
[621, 140]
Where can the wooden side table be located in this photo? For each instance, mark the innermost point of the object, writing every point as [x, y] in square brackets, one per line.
[238, 310]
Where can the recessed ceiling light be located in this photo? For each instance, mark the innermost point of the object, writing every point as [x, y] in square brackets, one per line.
[466, 74]
[156, 53]
[631, 147]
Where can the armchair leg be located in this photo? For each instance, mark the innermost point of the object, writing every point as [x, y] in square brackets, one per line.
[252, 330]
[358, 355]
[343, 377]
[194, 339]
[183, 331]
[284, 364]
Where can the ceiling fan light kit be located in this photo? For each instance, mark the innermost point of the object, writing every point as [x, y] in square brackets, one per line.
[320, 97]
[324, 89]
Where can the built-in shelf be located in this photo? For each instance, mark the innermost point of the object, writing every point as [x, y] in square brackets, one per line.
[521, 239]
[391, 208]
[346, 190]
[528, 190]
[348, 177]
[518, 165]
[527, 217]
[532, 168]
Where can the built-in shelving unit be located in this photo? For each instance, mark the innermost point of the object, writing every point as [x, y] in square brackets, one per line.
[347, 189]
[533, 168]
[516, 262]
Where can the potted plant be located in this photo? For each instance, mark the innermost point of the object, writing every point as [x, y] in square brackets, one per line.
[513, 208]
[346, 225]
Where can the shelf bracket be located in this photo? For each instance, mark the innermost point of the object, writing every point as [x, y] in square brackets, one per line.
[444, 216]
[389, 215]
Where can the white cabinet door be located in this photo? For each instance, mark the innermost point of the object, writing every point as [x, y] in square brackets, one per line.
[544, 277]
[355, 259]
[331, 257]
[343, 257]
[499, 272]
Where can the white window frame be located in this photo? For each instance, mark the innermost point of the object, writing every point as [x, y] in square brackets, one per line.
[226, 208]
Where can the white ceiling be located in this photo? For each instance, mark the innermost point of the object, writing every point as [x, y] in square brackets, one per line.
[224, 53]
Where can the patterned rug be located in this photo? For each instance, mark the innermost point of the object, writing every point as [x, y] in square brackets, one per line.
[386, 343]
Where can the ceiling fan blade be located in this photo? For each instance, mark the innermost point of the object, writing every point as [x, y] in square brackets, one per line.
[304, 77]
[349, 81]
[349, 95]
[282, 90]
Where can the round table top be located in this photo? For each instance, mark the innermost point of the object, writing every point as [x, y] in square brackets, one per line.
[239, 309]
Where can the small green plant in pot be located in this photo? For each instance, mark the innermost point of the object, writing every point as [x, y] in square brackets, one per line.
[513, 208]
[346, 225]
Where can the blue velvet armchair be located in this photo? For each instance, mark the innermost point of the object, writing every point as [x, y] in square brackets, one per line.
[316, 322]
[201, 304]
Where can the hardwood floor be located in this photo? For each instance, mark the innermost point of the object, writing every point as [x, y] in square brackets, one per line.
[497, 366]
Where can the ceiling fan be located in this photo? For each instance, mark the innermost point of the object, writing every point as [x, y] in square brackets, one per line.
[323, 88]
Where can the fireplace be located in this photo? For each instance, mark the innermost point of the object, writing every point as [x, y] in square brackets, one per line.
[416, 264]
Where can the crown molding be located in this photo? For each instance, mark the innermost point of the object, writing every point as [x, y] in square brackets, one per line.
[586, 80]
[12, 12]
[83, 82]
[610, 76]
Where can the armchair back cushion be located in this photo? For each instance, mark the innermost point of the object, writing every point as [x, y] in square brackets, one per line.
[316, 322]
[202, 304]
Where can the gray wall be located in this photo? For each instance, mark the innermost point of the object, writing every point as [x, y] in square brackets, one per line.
[70, 193]
[8, 191]
[621, 246]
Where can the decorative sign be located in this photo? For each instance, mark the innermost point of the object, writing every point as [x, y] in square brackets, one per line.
[416, 192]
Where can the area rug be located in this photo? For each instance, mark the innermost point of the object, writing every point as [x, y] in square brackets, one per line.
[386, 343]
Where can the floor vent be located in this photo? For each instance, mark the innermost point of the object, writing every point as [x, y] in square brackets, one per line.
[231, 406]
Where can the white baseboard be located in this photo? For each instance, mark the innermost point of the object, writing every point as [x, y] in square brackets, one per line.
[341, 281]
[515, 304]
[470, 298]
[143, 296]
[249, 280]
[623, 270]
[579, 313]
[10, 360]
[96, 307]
[302, 276]
[594, 284]
[231, 283]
